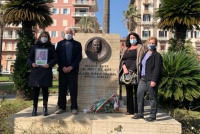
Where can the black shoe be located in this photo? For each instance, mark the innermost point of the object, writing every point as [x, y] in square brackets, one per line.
[150, 119]
[138, 117]
[127, 113]
[45, 113]
[34, 112]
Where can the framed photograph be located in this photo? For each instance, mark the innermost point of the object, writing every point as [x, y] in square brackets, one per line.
[41, 56]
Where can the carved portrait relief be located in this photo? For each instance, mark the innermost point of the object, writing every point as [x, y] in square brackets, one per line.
[97, 49]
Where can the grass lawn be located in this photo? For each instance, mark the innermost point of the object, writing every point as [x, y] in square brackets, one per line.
[10, 88]
[9, 107]
[4, 78]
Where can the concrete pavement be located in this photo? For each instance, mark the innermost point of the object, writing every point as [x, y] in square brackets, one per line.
[89, 123]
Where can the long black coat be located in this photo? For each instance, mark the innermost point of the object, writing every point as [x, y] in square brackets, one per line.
[42, 77]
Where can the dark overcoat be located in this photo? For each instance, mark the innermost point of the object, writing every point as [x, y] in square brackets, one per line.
[42, 77]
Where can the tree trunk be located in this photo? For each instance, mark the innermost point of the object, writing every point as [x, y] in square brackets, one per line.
[106, 16]
[180, 35]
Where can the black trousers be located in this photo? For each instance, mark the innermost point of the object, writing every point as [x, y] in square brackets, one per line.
[68, 80]
[143, 87]
[131, 105]
[45, 94]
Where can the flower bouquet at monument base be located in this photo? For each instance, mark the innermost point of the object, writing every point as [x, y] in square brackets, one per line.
[105, 105]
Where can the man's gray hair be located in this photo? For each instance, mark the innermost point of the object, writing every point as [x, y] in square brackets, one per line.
[71, 29]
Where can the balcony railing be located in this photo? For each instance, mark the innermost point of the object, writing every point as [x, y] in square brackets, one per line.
[147, 12]
[147, 2]
[162, 38]
[8, 36]
[145, 37]
[77, 2]
[146, 22]
[82, 14]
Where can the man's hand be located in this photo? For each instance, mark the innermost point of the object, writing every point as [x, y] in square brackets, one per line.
[34, 65]
[67, 69]
[152, 84]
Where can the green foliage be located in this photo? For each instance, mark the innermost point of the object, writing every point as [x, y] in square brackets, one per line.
[179, 12]
[8, 108]
[129, 17]
[181, 79]
[21, 69]
[35, 11]
[187, 47]
[88, 24]
[179, 16]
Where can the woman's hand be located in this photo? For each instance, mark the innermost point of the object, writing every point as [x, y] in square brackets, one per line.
[125, 70]
[152, 84]
[34, 65]
[45, 66]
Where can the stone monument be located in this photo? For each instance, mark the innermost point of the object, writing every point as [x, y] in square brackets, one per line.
[98, 72]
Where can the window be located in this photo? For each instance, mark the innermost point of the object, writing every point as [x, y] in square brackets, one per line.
[162, 34]
[55, 1]
[63, 34]
[53, 33]
[122, 44]
[8, 34]
[8, 56]
[162, 47]
[54, 23]
[146, 17]
[197, 34]
[65, 1]
[15, 46]
[55, 11]
[146, 7]
[64, 22]
[146, 33]
[9, 46]
[65, 10]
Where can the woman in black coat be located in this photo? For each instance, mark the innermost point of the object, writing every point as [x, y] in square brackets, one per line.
[41, 59]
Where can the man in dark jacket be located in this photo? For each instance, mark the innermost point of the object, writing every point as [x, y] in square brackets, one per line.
[69, 54]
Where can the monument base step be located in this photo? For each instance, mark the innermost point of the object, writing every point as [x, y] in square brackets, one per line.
[88, 123]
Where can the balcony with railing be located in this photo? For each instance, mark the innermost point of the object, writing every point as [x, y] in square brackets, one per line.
[162, 39]
[86, 3]
[146, 23]
[80, 3]
[147, 12]
[144, 38]
[145, 2]
[10, 37]
[82, 14]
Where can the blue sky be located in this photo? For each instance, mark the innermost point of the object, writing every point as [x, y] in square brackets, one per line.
[116, 15]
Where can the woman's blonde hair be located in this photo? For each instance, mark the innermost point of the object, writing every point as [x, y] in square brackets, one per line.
[46, 33]
[152, 38]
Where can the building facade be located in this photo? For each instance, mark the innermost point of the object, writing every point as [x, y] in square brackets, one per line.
[65, 13]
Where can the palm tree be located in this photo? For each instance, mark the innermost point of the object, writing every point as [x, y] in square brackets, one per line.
[30, 14]
[129, 17]
[106, 16]
[179, 16]
[88, 25]
[181, 78]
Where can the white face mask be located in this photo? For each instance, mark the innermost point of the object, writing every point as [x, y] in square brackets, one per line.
[44, 39]
[68, 36]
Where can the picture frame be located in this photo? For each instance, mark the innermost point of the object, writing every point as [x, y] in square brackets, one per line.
[41, 56]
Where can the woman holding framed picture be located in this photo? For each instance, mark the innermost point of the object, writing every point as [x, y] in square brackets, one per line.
[41, 59]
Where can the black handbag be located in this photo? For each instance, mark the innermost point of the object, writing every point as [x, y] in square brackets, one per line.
[128, 79]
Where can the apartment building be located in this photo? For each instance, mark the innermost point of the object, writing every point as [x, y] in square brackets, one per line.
[65, 13]
[147, 26]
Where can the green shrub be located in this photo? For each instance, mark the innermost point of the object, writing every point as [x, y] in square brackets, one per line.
[181, 79]
[21, 69]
